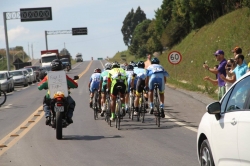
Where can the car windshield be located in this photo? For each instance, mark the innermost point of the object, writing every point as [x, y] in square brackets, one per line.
[64, 60]
[79, 56]
[29, 70]
[2, 76]
[48, 59]
[48, 68]
[16, 73]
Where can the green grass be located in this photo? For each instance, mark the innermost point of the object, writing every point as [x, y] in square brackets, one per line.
[225, 33]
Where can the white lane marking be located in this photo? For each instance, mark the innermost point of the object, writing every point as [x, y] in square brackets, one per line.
[180, 123]
[102, 64]
[8, 106]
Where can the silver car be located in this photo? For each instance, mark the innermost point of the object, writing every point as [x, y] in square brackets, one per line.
[27, 75]
[6, 81]
[19, 78]
[32, 74]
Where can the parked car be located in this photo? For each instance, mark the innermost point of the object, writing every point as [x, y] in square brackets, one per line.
[6, 81]
[224, 131]
[27, 75]
[44, 71]
[19, 77]
[37, 71]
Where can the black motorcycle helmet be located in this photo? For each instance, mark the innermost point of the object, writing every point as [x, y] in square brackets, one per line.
[140, 64]
[56, 65]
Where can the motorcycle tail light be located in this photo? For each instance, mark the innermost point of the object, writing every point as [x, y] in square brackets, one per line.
[59, 99]
[59, 104]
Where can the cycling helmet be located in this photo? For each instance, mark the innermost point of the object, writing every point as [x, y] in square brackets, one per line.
[56, 65]
[132, 63]
[141, 64]
[155, 61]
[130, 68]
[108, 66]
[123, 66]
[115, 65]
[97, 70]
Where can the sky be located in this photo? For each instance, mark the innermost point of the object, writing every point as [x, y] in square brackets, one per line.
[103, 19]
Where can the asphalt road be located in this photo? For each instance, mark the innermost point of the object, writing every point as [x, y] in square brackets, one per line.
[29, 142]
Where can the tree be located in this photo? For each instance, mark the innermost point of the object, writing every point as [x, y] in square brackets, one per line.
[64, 51]
[163, 15]
[140, 38]
[129, 24]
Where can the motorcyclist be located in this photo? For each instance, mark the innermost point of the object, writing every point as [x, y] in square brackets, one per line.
[56, 65]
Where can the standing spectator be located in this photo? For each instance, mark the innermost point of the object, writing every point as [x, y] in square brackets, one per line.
[237, 50]
[241, 68]
[148, 61]
[230, 78]
[219, 54]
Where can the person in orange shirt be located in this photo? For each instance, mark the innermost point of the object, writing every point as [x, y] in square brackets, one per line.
[148, 61]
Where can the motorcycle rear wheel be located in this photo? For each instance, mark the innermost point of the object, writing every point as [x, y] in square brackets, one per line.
[58, 125]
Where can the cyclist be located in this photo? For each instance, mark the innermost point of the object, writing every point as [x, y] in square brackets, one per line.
[141, 75]
[56, 65]
[116, 77]
[94, 84]
[158, 75]
[131, 83]
[103, 85]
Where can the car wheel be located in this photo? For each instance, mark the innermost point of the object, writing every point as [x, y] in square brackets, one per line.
[206, 157]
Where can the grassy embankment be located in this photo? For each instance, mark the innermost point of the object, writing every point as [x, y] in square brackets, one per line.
[198, 47]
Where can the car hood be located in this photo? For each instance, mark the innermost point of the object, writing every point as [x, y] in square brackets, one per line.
[46, 64]
[3, 81]
[17, 77]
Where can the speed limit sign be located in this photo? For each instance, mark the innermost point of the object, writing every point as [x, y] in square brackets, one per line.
[174, 57]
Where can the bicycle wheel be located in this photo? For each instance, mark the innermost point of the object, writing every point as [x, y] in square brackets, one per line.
[119, 115]
[2, 97]
[143, 109]
[95, 105]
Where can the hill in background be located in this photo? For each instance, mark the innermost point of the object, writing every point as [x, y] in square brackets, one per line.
[198, 47]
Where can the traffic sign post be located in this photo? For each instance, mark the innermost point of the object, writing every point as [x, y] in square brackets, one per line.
[174, 58]
[80, 31]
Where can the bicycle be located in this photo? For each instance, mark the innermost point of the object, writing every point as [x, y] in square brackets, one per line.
[118, 107]
[96, 103]
[107, 107]
[2, 97]
[157, 104]
[131, 104]
[142, 108]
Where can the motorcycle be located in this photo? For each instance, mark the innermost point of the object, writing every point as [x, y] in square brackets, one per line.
[59, 111]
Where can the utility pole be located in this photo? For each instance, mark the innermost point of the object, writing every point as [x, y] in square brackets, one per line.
[28, 49]
[32, 50]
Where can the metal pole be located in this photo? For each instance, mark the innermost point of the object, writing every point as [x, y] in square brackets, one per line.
[6, 40]
[46, 40]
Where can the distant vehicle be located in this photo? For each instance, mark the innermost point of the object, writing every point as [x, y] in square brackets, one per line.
[19, 77]
[27, 75]
[223, 133]
[47, 56]
[37, 71]
[6, 81]
[79, 57]
[66, 64]
[44, 71]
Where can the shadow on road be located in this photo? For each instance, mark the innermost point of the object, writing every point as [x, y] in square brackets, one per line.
[88, 137]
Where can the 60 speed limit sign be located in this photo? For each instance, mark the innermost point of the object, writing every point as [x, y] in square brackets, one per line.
[174, 57]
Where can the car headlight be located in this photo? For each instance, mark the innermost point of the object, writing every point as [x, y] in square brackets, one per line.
[4, 83]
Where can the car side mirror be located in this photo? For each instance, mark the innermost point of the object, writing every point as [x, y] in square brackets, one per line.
[76, 77]
[214, 108]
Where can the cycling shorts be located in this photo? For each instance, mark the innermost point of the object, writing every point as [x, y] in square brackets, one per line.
[160, 81]
[140, 86]
[93, 86]
[129, 86]
[115, 83]
[104, 87]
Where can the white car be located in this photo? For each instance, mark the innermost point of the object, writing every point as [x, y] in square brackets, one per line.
[19, 78]
[6, 81]
[224, 131]
[32, 74]
[27, 75]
